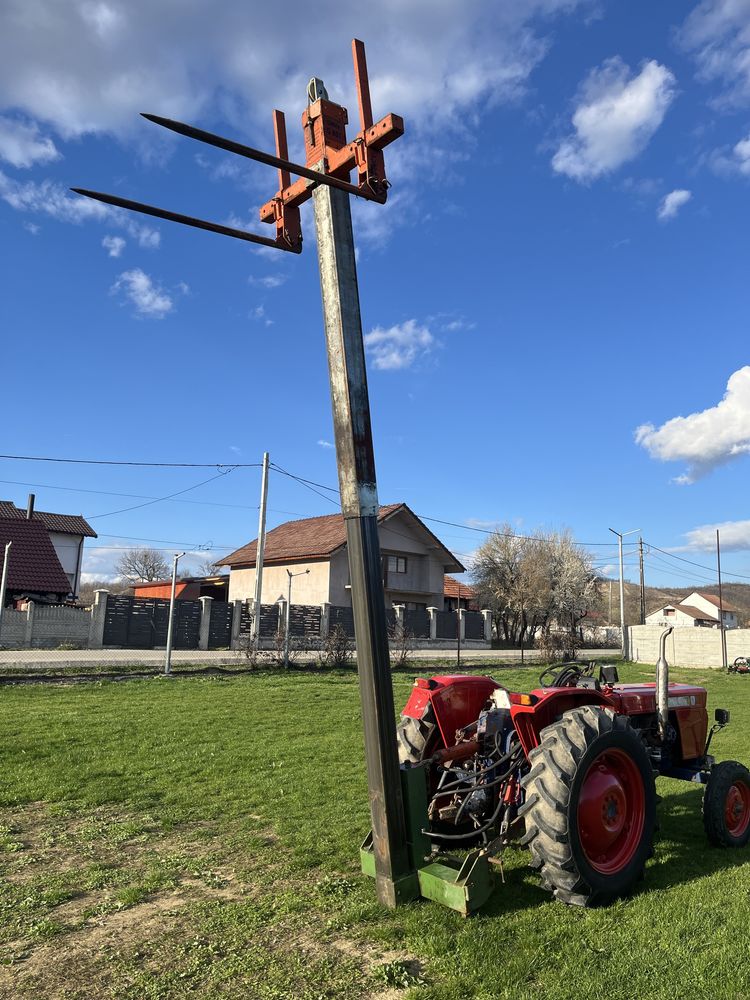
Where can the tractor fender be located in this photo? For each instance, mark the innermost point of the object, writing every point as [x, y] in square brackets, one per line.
[548, 705]
[456, 701]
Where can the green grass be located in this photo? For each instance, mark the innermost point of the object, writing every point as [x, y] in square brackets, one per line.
[199, 839]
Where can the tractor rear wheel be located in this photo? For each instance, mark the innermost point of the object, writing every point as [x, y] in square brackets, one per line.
[726, 805]
[590, 806]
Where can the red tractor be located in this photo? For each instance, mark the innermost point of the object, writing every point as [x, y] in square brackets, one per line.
[569, 767]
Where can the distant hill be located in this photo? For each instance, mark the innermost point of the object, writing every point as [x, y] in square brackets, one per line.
[737, 594]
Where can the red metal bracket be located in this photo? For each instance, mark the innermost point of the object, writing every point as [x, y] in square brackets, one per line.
[327, 150]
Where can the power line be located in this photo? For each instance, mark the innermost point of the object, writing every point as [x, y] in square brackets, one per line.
[143, 496]
[148, 503]
[710, 569]
[161, 465]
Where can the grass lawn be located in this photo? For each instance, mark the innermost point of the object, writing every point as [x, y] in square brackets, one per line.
[199, 838]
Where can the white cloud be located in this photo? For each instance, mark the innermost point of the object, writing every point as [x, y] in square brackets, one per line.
[706, 439]
[733, 161]
[114, 245]
[92, 66]
[31, 227]
[717, 32]
[616, 116]
[325, 444]
[148, 298]
[734, 535]
[22, 145]
[671, 203]
[398, 346]
[268, 281]
[49, 198]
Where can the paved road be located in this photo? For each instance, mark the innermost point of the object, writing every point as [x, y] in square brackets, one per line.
[88, 659]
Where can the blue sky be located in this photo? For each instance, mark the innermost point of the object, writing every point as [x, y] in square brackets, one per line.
[555, 298]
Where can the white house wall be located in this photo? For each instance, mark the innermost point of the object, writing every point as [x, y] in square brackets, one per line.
[68, 549]
[311, 588]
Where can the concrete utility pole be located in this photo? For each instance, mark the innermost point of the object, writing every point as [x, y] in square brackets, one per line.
[722, 630]
[623, 638]
[643, 585]
[359, 504]
[170, 625]
[458, 630]
[4, 579]
[260, 552]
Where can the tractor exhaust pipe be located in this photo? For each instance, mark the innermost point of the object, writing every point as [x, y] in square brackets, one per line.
[662, 684]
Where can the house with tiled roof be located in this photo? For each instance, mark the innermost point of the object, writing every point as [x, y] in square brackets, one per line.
[34, 570]
[457, 594]
[414, 562]
[699, 609]
[66, 533]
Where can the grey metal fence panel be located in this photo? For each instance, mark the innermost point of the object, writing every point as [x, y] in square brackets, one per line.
[304, 620]
[269, 620]
[220, 626]
[447, 625]
[417, 622]
[344, 617]
[142, 623]
[474, 625]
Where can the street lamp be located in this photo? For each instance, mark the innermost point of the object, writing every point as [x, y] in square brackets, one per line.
[620, 536]
[288, 606]
[4, 579]
[168, 656]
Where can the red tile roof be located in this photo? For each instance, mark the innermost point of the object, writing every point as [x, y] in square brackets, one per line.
[316, 538]
[33, 565]
[695, 613]
[451, 585]
[67, 524]
[712, 599]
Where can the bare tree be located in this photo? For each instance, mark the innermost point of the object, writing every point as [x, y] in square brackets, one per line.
[532, 584]
[209, 568]
[142, 565]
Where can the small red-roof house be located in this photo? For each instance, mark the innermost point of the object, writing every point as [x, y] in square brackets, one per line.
[187, 588]
[34, 570]
[414, 562]
[66, 533]
[457, 594]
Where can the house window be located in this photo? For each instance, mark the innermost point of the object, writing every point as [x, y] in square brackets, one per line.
[669, 612]
[396, 564]
[414, 606]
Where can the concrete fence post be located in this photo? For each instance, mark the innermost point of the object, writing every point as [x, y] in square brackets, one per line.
[432, 612]
[399, 612]
[461, 624]
[487, 615]
[325, 619]
[29, 632]
[206, 604]
[234, 635]
[98, 615]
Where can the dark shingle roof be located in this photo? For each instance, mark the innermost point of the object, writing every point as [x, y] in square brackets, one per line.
[696, 613]
[33, 565]
[68, 524]
[317, 538]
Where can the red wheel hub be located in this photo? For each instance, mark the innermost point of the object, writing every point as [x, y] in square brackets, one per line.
[737, 809]
[611, 811]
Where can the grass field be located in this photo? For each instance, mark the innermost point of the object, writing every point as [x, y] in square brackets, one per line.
[198, 838]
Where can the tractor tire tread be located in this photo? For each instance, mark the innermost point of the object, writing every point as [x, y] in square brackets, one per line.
[547, 786]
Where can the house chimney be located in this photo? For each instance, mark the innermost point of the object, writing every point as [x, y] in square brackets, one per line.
[30, 507]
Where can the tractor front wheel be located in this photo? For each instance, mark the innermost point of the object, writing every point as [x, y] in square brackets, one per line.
[590, 806]
[726, 805]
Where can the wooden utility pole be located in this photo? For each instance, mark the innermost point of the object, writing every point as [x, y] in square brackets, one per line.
[359, 505]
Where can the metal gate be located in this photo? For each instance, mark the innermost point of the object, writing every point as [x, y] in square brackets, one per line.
[142, 622]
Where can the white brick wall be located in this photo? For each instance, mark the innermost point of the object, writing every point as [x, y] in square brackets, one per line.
[688, 647]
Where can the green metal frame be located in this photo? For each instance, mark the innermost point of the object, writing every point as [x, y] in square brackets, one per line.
[463, 884]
